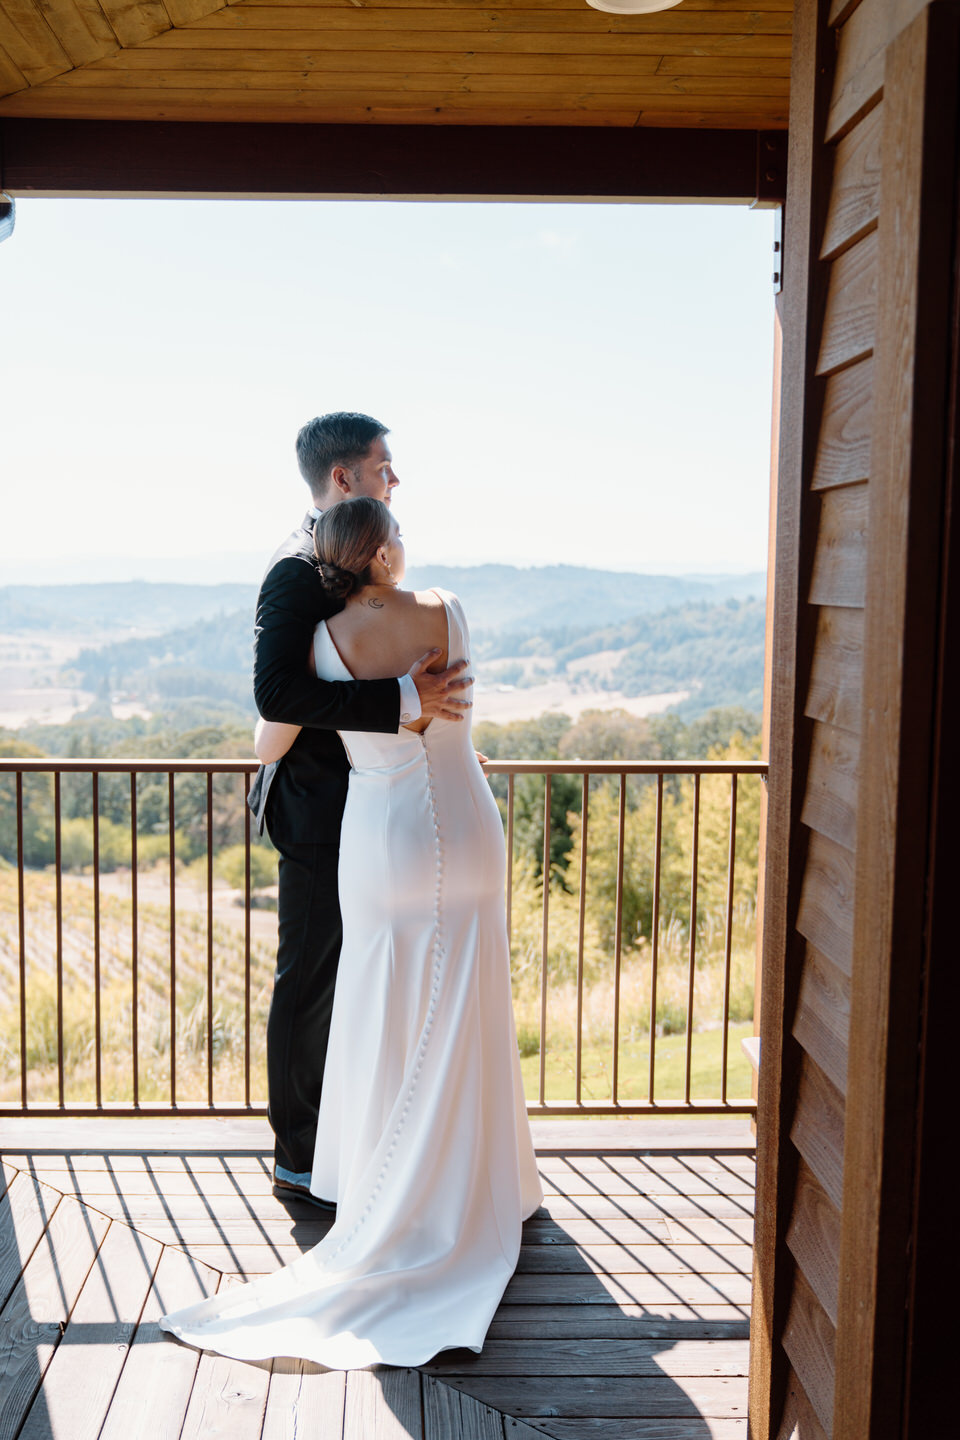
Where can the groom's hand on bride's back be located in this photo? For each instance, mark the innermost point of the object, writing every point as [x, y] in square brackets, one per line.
[439, 694]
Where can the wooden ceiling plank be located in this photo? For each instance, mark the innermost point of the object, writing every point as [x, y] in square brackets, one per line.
[278, 107]
[33, 47]
[223, 31]
[592, 90]
[756, 118]
[185, 12]
[774, 106]
[81, 28]
[243, 105]
[549, 61]
[745, 65]
[12, 77]
[784, 7]
[321, 93]
[585, 22]
[153, 57]
[119, 74]
[134, 21]
[174, 55]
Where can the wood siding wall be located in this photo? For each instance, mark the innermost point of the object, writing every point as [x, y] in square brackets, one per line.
[854, 628]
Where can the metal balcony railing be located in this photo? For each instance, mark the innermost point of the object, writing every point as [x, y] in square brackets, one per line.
[134, 977]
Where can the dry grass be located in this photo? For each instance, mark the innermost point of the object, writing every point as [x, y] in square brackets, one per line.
[224, 1026]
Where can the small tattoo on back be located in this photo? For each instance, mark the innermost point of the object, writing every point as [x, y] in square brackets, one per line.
[374, 603]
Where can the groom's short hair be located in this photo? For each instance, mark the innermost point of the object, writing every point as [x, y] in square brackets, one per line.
[342, 438]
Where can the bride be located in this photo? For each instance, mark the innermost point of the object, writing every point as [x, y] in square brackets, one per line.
[422, 1138]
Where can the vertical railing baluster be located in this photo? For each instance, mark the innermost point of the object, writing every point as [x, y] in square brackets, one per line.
[172, 853]
[655, 937]
[545, 943]
[210, 938]
[135, 937]
[218, 1099]
[22, 931]
[581, 921]
[618, 940]
[728, 936]
[510, 788]
[97, 1014]
[688, 1059]
[246, 943]
[58, 869]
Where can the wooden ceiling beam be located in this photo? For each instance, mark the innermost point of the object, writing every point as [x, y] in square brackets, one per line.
[84, 157]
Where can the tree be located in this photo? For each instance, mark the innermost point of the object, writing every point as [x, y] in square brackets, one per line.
[609, 735]
[37, 802]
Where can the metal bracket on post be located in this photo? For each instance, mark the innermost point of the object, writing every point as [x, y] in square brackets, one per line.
[778, 250]
[771, 190]
[771, 182]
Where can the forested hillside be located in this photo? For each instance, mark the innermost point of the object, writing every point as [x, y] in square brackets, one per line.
[712, 651]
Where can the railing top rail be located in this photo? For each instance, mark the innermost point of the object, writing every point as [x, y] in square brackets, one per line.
[55, 764]
[52, 765]
[626, 767]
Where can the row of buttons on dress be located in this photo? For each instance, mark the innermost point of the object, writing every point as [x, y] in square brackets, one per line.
[438, 956]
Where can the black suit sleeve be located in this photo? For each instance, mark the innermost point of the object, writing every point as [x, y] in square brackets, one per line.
[291, 602]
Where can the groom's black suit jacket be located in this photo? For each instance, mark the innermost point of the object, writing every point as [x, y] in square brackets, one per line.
[302, 795]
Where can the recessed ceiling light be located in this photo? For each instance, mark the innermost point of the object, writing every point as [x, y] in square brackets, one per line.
[632, 7]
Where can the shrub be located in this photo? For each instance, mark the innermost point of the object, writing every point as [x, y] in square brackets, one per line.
[230, 865]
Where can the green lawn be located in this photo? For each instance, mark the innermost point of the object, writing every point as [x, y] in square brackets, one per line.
[635, 1065]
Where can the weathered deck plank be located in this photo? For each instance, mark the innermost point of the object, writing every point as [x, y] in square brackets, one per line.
[84, 1371]
[447, 1412]
[597, 1357]
[700, 1427]
[25, 1212]
[304, 1400]
[384, 1404]
[627, 1317]
[40, 1305]
[228, 1398]
[157, 1378]
[583, 1396]
[618, 1322]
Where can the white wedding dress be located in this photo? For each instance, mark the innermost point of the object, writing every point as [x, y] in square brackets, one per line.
[423, 1138]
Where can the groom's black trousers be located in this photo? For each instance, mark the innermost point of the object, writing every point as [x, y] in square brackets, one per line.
[298, 1025]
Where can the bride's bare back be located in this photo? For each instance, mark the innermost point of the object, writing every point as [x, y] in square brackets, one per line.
[382, 632]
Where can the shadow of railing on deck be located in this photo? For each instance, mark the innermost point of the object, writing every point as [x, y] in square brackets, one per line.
[610, 1291]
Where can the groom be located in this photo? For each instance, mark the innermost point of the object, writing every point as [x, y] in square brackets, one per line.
[301, 797]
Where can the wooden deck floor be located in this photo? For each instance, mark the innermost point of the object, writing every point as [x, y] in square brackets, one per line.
[627, 1318]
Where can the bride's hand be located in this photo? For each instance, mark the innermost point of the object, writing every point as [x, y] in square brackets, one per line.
[436, 700]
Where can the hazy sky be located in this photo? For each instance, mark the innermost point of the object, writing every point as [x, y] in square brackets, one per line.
[564, 383]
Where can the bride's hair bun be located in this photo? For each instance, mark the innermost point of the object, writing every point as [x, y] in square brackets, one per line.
[339, 582]
[345, 539]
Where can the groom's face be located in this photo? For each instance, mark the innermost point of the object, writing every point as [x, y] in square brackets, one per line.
[374, 476]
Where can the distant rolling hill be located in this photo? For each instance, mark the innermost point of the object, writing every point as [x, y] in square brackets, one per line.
[591, 630]
[496, 597]
[127, 605]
